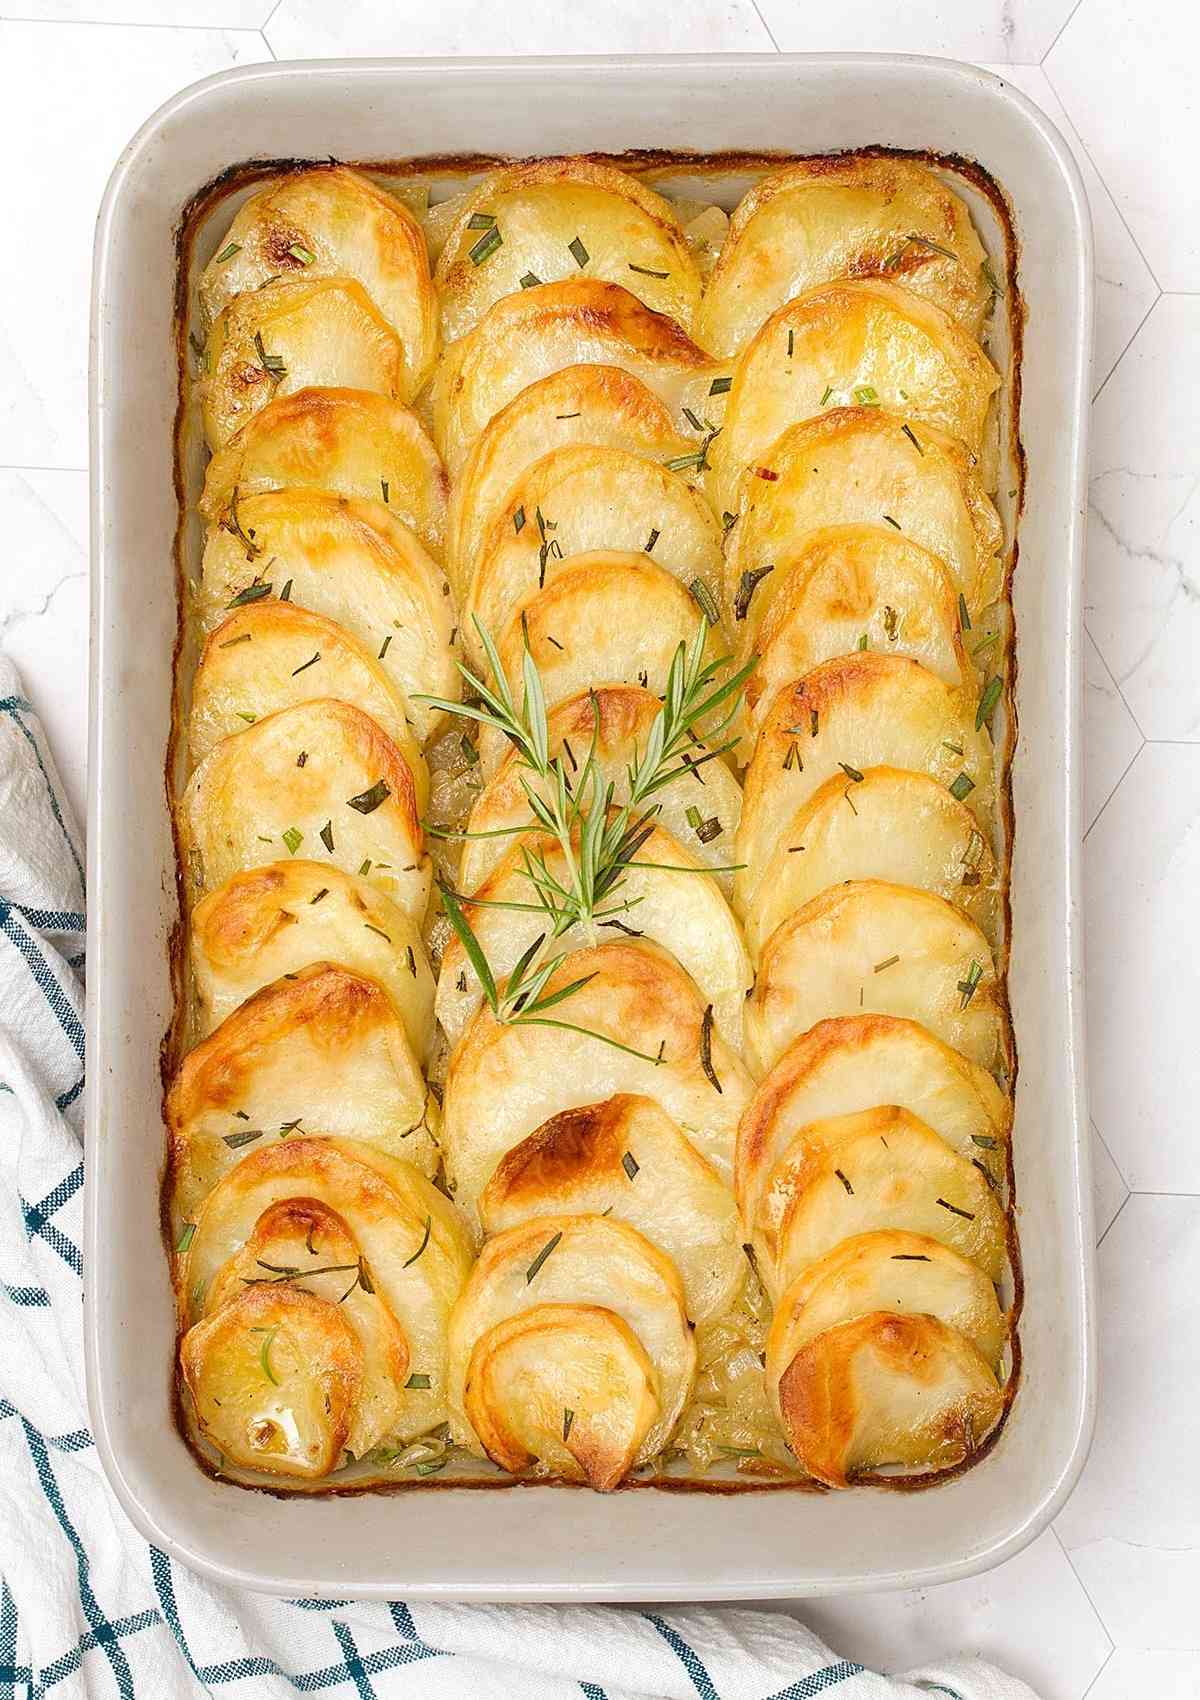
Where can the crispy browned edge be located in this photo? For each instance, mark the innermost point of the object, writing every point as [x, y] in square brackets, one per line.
[243, 175]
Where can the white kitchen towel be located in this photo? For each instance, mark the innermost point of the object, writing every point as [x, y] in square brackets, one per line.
[86, 1607]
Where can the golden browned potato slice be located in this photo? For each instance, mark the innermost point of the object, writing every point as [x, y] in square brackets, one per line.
[547, 219]
[320, 1051]
[884, 949]
[413, 1246]
[285, 336]
[626, 1159]
[843, 217]
[644, 1031]
[626, 715]
[578, 500]
[884, 1390]
[856, 712]
[269, 655]
[665, 895]
[272, 921]
[351, 561]
[579, 406]
[859, 465]
[852, 344]
[320, 777]
[891, 825]
[605, 1337]
[353, 442]
[580, 321]
[330, 222]
[851, 1064]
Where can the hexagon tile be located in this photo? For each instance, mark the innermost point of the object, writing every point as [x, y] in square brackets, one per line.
[1007, 30]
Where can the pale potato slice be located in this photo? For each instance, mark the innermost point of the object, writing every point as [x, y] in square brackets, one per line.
[579, 406]
[891, 825]
[320, 1051]
[408, 1233]
[888, 1269]
[320, 776]
[626, 714]
[351, 561]
[843, 216]
[578, 500]
[331, 222]
[664, 895]
[285, 336]
[546, 219]
[558, 1271]
[581, 321]
[353, 442]
[272, 921]
[506, 1079]
[261, 659]
[854, 343]
[859, 465]
[884, 1390]
[883, 949]
[859, 711]
[626, 1159]
[853, 1063]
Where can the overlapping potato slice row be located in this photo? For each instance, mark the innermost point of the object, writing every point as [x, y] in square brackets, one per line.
[582, 499]
[594, 406]
[332, 223]
[320, 1051]
[570, 1351]
[410, 1242]
[321, 777]
[580, 321]
[843, 217]
[646, 1032]
[626, 1159]
[287, 336]
[885, 950]
[665, 895]
[864, 466]
[853, 1063]
[351, 561]
[626, 713]
[547, 219]
[352, 442]
[272, 921]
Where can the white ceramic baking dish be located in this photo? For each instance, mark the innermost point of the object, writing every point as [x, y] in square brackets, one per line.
[544, 1542]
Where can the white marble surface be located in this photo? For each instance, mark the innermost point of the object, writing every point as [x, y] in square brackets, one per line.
[1105, 1602]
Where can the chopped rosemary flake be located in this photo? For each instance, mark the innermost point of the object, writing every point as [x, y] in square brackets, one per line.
[383, 485]
[964, 619]
[364, 867]
[814, 720]
[304, 666]
[984, 1141]
[926, 242]
[694, 817]
[644, 271]
[747, 585]
[895, 523]
[229, 643]
[412, 961]
[228, 253]
[542, 1256]
[293, 838]
[909, 1257]
[299, 252]
[988, 701]
[431, 1466]
[580, 253]
[704, 599]
[862, 641]
[792, 758]
[706, 1062]
[461, 982]
[481, 221]
[989, 277]
[568, 1414]
[383, 648]
[696, 424]
[655, 534]
[252, 593]
[568, 416]
[327, 836]
[984, 644]
[967, 1215]
[828, 393]
[272, 364]
[409, 1261]
[681, 463]
[955, 749]
[888, 962]
[891, 623]
[846, 797]
[630, 1164]
[486, 245]
[720, 386]
[285, 595]
[912, 437]
[530, 280]
[264, 1357]
[186, 1237]
[728, 520]
[244, 1136]
[372, 928]
[519, 521]
[968, 986]
[961, 787]
[368, 801]
[711, 829]
[850, 772]
[844, 1182]
[791, 341]
[866, 395]
[419, 1383]
[324, 892]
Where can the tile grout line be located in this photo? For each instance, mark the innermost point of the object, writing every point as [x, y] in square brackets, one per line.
[1116, 685]
[1099, 1243]
[266, 43]
[1066, 24]
[12, 466]
[762, 21]
[262, 28]
[1112, 1653]
[1104, 805]
[126, 24]
[1133, 338]
[1112, 1645]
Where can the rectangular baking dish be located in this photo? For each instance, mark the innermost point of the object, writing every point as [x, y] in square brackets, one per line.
[527, 1542]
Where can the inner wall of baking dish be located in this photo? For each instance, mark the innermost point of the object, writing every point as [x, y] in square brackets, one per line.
[720, 179]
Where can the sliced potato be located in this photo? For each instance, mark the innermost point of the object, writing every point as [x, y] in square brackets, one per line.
[546, 219]
[626, 1159]
[352, 442]
[883, 949]
[860, 465]
[902, 827]
[558, 1272]
[578, 500]
[843, 216]
[354, 563]
[331, 222]
[286, 336]
[319, 1051]
[272, 921]
[626, 715]
[675, 903]
[847, 344]
[321, 776]
[581, 321]
[644, 1032]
